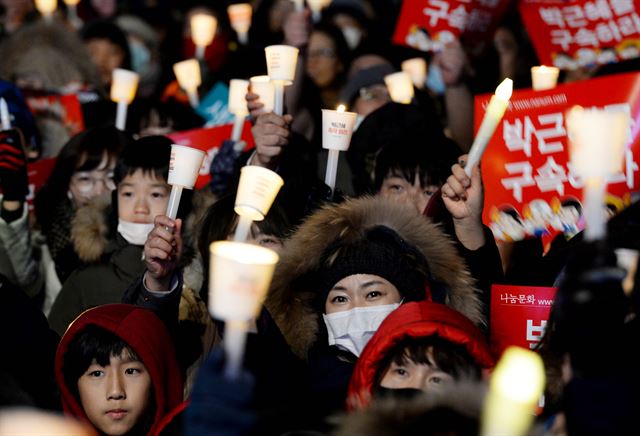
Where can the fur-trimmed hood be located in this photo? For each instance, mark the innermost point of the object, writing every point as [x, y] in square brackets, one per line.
[90, 229]
[292, 304]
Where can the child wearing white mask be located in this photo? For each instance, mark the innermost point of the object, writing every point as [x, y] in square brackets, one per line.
[109, 238]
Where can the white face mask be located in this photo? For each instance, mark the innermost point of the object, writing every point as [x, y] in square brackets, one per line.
[352, 36]
[134, 233]
[352, 329]
[359, 120]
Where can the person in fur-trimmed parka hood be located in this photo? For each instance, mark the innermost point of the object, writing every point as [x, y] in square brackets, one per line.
[345, 269]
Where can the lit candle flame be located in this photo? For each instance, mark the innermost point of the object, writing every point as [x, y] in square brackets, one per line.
[341, 108]
[505, 89]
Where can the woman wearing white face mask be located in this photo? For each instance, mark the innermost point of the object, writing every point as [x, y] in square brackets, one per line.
[348, 267]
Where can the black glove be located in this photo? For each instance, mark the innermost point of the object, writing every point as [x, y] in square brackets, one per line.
[13, 166]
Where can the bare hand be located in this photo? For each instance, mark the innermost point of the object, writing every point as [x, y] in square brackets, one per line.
[162, 252]
[271, 134]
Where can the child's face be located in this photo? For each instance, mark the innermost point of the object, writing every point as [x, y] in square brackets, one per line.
[115, 397]
[399, 189]
[426, 377]
[361, 290]
[142, 197]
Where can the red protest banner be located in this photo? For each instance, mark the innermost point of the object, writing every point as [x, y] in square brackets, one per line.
[574, 33]
[210, 140]
[427, 25]
[530, 189]
[38, 173]
[519, 315]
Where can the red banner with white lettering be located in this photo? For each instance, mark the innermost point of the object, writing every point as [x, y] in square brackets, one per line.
[576, 33]
[427, 25]
[210, 140]
[530, 188]
[519, 315]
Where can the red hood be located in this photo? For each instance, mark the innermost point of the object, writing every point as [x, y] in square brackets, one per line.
[147, 336]
[414, 320]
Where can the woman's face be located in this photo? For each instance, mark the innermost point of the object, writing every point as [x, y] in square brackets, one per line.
[85, 185]
[361, 290]
[323, 64]
[106, 56]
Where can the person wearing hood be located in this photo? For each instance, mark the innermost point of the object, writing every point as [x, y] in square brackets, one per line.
[419, 347]
[110, 239]
[117, 370]
[346, 268]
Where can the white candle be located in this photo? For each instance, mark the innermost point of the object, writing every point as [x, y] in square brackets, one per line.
[5, 116]
[189, 78]
[263, 87]
[203, 30]
[544, 77]
[316, 7]
[281, 65]
[124, 84]
[416, 68]
[494, 113]
[46, 7]
[240, 18]
[337, 128]
[597, 140]
[400, 87]
[238, 105]
[515, 388]
[184, 167]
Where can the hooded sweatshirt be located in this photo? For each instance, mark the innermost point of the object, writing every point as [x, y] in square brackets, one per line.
[415, 320]
[147, 336]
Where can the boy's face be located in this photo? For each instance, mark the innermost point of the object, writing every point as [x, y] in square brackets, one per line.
[397, 188]
[142, 197]
[426, 377]
[115, 397]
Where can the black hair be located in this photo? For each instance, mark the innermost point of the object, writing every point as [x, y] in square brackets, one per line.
[219, 221]
[150, 154]
[454, 359]
[83, 152]
[107, 29]
[92, 343]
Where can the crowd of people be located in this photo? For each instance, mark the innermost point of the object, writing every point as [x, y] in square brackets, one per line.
[377, 317]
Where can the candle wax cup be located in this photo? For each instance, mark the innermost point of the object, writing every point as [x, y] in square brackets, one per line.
[184, 165]
[257, 189]
[337, 128]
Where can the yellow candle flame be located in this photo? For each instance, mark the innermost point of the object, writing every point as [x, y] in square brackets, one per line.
[505, 89]
[341, 108]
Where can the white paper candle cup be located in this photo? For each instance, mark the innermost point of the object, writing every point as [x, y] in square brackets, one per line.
[239, 278]
[281, 62]
[184, 165]
[596, 141]
[240, 17]
[400, 87]
[188, 74]
[257, 189]
[124, 84]
[337, 128]
[71, 2]
[46, 7]
[416, 68]
[263, 86]
[203, 29]
[237, 93]
[316, 7]
[544, 77]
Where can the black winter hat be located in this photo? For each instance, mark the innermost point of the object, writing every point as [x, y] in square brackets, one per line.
[380, 252]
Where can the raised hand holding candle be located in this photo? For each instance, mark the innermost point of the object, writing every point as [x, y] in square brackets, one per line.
[203, 30]
[281, 66]
[46, 8]
[337, 128]
[544, 77]
[493, 114]
[5, 116]
[184, 166]
[514, 391]
[416, 68]
[400, 87]
[262, 86]
[240, 18]
[124, 84]
[72, 12]
[257, 190]
[238, 105]
[316, 7]
[597, 140]
[240, 275]
[189, 78]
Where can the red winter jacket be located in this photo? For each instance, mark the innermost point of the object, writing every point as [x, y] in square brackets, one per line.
[145, 333]
[414, 320]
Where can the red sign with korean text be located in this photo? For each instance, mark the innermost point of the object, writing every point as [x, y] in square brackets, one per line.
[576, 33]
[65, 108]
[427, 25]
[530, 189]
[519, 315]
[210, 140]
[38, 173]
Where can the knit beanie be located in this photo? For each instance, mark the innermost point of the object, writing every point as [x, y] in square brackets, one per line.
[380, 252]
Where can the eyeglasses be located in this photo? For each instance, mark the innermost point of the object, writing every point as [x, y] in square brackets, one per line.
[375, 92]
[86, 181]
[321, 52]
